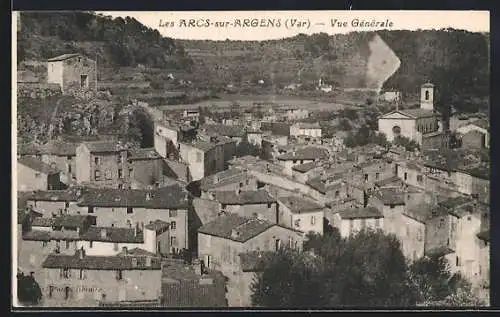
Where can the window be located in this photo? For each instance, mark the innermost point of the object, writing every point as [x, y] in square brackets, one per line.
[173, 225]
[427, 95]
[337, 194]
[366, 177]
[91, 244]
[84, 81]
[108, 174]
[97, 175]
[90, 210]
[119, 275]
[277, 244]
[120, 186]
[269, 205]
[130, 210]
[44, 244]
[173, 241]
[457, 261]
[377, 223]
[294, 161]
[96, 160]
[377, 175]
[130, 172]
[67, 292]
[115, 246]
[51, 290]
[313, 220]
[198, 157]
[65, 273]
[391, 206]
[82, 274]
[69, 168]
[69, 157]
[38, 175]
[406, 176]
[241, 185]
[420, 178]
[67, 244]
[120, 173]
[172, 213]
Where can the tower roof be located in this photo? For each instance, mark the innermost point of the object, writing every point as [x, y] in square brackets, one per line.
[428, 85]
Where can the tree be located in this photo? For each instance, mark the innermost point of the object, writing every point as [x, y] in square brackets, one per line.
[246, 148]
[28, 290]
[409, 145]
[367, 269]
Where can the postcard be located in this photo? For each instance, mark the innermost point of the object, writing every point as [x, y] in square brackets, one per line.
[304, 160]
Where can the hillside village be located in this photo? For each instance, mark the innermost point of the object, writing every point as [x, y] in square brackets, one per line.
[189, 220]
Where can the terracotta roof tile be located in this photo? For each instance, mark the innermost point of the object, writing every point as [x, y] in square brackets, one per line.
[54, 261]
[37, 165]
[245, 228]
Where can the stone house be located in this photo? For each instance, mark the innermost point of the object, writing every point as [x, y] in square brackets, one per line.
[33, 174]
[73, 72]
[307, 130]
[81, 280]
[352, 220]
[301, 214]
[301, 156]
[145, 167]
[476, 134]
[250, 203]
[227, 180]
[62, 156]
[221, 242]
[103, 164]
[136, 208]
[203, 158]
[55, 202]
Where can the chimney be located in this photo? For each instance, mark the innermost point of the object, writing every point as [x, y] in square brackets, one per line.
[103, 233]
[234, 233]
[148, 261]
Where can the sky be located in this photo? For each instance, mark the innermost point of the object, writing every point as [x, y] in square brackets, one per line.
[312, 22]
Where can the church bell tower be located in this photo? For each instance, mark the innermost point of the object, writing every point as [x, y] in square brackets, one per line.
[427, 96]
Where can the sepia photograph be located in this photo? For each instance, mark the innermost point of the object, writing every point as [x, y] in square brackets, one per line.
[306, 160]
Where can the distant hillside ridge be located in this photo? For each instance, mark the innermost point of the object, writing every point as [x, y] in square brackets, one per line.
[455, 58]
[114, 42]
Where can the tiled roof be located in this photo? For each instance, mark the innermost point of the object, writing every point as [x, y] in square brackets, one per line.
[55, 261]
[223, 178]
[418, 113]
[172, 197]
[481, 123]
[421, 213]
[225, 130]
[452, 203]
[321, 185]
[306, 153]
[246, 228]
[42, 222]
[158, 225]
[60, 148]
[55, 195]
[37, 165]
[247, 197]
[390, 196]
[103, 146]
[37, 235]
[29, 148]
[73, 221]
[201, 291]
[482, 172]
[298, 205]
[484, 235]
[360, 213]
[388, 181]
[304, 168]
[113, 234]
[136, 252]
[254, 261]
[143, 154]
[63, 57]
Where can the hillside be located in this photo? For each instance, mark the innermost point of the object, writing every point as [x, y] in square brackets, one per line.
[455, 60]
[115, 42]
